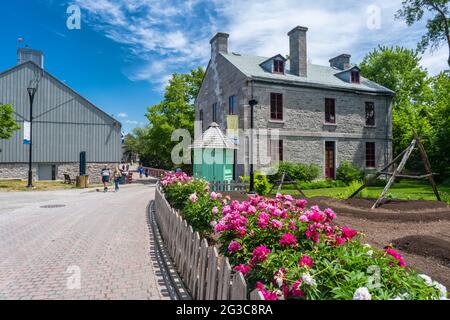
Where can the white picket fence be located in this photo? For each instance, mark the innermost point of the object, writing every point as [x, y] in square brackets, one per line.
[205, 273]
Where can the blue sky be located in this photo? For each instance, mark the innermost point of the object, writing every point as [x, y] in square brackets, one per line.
[126, 50]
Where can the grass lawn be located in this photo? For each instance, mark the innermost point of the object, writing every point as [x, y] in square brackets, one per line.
[20, 185]
[404, 190]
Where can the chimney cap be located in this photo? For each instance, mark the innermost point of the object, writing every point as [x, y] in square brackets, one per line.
[219, 35]
[297, 29]
[344, 55]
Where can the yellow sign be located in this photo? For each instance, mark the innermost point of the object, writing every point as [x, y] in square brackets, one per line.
[233, 127]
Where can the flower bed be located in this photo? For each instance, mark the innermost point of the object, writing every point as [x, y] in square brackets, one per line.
[290, 251]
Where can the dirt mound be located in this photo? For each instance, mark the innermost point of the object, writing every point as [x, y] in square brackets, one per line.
[425, 246]
[393, 210]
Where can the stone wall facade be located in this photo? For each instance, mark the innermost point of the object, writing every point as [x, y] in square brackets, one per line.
[303, 129]
[20, 170]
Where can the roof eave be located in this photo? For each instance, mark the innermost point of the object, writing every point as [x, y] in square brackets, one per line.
[386, 92]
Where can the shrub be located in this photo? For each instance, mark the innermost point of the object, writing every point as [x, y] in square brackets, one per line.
[297, 171]
[262, 184]
[178, 187]
[290, 252]
[199, 211]
[348, 173]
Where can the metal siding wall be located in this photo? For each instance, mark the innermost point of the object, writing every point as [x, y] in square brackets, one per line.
[61, 134]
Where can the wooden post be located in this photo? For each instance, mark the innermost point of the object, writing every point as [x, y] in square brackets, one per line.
[426, 164]
[396, 171]
[281, 182]
[379, 173]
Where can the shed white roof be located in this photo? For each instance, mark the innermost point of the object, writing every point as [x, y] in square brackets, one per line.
[214, 138]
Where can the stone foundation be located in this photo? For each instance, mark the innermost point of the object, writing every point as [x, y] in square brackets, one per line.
[20, 170]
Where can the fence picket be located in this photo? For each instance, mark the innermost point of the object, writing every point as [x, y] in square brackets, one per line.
[206, 274]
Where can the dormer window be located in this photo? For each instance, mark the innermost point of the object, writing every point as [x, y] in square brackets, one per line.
[355, 76]
[278, 66]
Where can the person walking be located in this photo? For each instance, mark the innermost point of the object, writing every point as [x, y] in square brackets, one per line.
[116, 178]
[106, 173]
[141, 171]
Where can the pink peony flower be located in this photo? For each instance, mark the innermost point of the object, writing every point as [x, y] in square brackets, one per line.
[259, 254]
[288, 240]
[277, 224]
[296, 291]
[263, 220]
[330, 214]
[306, 261]
[397, 256]
[215, 210]
[303, 218]
[339, 240]
[193, 197]
[243, 268]
[234, 246]
[266, 294]
[214, 196]
[348, 233]
[301, 203]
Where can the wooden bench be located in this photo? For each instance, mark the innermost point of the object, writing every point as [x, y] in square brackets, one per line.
[67, 179]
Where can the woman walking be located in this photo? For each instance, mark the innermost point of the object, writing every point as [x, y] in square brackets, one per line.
[116, 177]
[105, 177]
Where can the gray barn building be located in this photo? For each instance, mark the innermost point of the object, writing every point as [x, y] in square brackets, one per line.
[64, 125]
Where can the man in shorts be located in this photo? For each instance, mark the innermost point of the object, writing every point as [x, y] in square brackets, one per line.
[106, 173]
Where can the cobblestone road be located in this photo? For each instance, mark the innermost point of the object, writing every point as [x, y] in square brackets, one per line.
[97, 246]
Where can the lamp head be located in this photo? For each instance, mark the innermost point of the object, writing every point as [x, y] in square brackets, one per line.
[253, 103]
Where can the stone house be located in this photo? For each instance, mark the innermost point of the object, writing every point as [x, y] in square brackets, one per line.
[322, 114]
[68, 130]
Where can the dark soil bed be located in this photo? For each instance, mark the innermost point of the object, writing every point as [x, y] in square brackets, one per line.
[425, 246]
[399, 211]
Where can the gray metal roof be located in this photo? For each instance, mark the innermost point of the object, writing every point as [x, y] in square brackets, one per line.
[318, 76]
[213, 138]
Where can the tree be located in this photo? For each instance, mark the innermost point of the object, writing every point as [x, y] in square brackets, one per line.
[175, 111]
[438, 31]
[440, 123]
[7, 123]
[399, 70]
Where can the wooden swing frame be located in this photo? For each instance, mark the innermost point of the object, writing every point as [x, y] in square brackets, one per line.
[397, 171]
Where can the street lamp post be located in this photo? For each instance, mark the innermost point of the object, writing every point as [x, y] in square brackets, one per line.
[31, 93]
[252, 104]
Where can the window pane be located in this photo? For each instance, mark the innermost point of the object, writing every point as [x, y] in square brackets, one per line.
[370, 114]
[330, 116]
[370, 154]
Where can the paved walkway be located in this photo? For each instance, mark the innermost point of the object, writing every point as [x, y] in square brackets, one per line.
[97, 246]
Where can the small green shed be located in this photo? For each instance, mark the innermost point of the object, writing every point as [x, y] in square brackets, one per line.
[214, 155]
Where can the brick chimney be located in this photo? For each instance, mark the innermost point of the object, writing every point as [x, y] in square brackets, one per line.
[298, 51]
[219, 43]
[341, 62]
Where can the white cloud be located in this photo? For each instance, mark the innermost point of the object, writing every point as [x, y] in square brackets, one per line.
[173, 36]
[122, 115]
[132, 122]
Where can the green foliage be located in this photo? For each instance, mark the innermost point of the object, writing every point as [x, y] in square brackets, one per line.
[438, 25]
[262, 184]
[177, 194]
[440, 124]
[348, 173]
[297, 171]
[199, 214]
[351, 188]
[321, 184]
[175, 111]
[7, 123]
